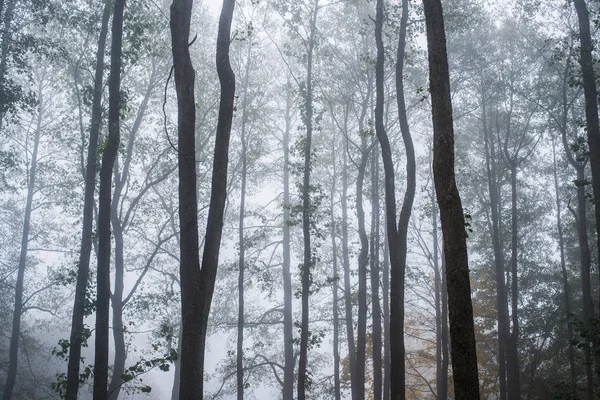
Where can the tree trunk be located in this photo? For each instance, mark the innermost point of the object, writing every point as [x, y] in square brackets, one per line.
[191, 377]
[386, 318]
[242, 254]
[363, 260]
[501, 296]
[513, 373]
[441, 304]
[116, 381]
[104, 209]
[564, 274]
[306, 207]
[11, 375]
[288, 340]
[334, 286]
[119, 225]
[346, 260]
[462, 332]
[78, 330]
[397, 258]
[375, 305]
[591, 115]
[197, 286]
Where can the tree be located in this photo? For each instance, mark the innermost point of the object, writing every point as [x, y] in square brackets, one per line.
[109, 155]
[462, 334]
[11, 375]
[78, 331]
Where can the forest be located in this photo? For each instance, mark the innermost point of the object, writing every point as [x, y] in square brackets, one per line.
[299, 199]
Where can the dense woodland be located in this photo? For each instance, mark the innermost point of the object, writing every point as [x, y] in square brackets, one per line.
[299, 199]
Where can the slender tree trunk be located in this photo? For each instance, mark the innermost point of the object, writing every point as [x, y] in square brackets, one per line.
[288, 341]
[104, 209]
[119, 225]
[375, 305]
[13, 358]
[363, 260]
[564, 274]
[514, 373]
[585, 266]
[386, 318]
[306, 207]
[347, 286]
[242, 254]
[397, 258]
[118, 329]
[462, 333]
[78, 330]
[334, 286]
[501, 298]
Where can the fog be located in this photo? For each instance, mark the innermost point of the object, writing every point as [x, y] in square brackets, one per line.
[283, 199]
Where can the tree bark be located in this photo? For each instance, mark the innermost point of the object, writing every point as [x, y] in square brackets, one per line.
[375, 305]
[288, 341]
[191, 371]
[306, 206]
[104, 209]
[462, 332]
[386, 318]
[334, 286]
[591, 114]
[564, 274]
[242, 254]
[397, 350]
[13, 357]
[78, 331]
[346, 262]
[501, 296]
[363, 260]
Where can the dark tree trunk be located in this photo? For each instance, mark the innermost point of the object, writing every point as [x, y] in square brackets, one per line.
[306, 206]
[197, 286]
[445, 335]
[591, 114]
[78, 331]
[288, 341]
[397, 257]
[462, 332]
[118, 329]
[441, 303]
[334, 286]
[104, 208]
[190, 376]
[386, 318]
[13, 357]
[363, 260]
[346, 260]
[564, 274]
[585, 257]
[513, 373]
[375, 305]
[501, 296]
